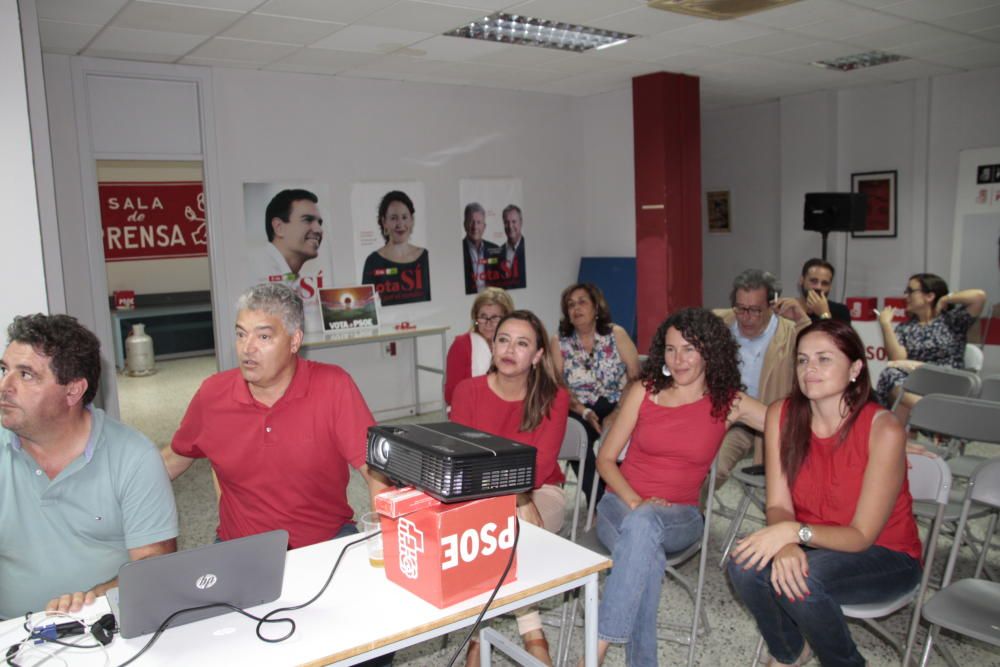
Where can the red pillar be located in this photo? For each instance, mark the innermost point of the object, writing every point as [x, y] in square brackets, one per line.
[667, 134]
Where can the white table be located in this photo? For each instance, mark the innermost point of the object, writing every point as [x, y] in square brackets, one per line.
[385, 334]
[361, 615]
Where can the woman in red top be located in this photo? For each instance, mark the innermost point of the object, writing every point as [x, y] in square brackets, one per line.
[521, 399]
[673, 421]
[471, 353]
[839, 512]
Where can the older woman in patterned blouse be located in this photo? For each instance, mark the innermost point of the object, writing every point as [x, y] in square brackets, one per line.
[935, 334]
[596, 360]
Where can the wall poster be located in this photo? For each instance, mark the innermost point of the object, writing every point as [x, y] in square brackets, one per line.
[390, 241]
[152, 220]
[493, 242]
[284, 241]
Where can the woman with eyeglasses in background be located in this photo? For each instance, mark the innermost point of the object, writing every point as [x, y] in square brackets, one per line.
[595, 358]
[934, 334]
[470, 353]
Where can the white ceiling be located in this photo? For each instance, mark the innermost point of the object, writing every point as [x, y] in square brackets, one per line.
[761, 57]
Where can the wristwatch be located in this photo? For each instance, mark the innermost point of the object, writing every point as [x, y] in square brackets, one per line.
[805, 534]
[825, 316]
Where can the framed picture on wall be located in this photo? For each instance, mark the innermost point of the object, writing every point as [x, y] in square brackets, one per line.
[719, 220]
[880, 217]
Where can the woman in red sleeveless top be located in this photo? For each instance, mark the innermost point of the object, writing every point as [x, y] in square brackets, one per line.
[673, 421]
[839, 512]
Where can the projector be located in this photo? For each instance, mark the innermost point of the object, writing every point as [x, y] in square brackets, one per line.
[451, 462]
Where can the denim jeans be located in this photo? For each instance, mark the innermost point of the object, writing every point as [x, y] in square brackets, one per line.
[835, 578]
[639, 540]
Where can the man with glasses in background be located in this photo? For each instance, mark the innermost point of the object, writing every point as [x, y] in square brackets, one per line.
[765, 328]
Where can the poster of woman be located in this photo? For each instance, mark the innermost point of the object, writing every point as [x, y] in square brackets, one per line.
[396, 262]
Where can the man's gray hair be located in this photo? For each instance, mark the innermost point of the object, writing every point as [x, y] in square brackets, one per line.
[275, 299]
[470, 208]
[751, 279]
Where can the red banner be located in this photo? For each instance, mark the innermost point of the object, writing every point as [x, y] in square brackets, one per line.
[153, 220]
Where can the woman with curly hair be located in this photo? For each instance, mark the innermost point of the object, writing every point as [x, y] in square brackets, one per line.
[840, 527]
[673, 422]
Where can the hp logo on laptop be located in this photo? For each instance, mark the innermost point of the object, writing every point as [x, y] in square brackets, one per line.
[206, 581]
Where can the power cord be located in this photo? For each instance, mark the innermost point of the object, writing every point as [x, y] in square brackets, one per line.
[266, 618]
[496, 589]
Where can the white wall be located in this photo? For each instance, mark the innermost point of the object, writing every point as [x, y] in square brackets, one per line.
[22, 270]
[287, 127]
[608, 172]
[738, 154]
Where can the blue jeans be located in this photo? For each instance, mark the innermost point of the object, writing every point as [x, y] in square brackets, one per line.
[639, 540]
[835, 578]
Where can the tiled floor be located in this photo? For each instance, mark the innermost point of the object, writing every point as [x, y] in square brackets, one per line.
[156, 404]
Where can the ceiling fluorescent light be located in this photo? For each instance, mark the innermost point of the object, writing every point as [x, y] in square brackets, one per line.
[860, 61]
[501, 28]
[719, 10]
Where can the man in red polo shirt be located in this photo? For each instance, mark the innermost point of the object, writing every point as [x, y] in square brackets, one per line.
[279, 431]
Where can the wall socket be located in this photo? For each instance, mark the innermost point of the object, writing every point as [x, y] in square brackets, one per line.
[389, 349]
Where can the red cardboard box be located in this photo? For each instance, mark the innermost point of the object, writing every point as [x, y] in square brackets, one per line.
[898, 304]
[124, 299]
[862, 308]
[446, 552]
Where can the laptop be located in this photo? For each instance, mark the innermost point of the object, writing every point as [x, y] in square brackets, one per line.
[244, 572]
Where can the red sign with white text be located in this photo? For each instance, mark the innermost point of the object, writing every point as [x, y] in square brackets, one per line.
[152, 220]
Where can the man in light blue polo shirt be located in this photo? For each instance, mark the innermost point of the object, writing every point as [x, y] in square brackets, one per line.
[80, 493]
[765, 328]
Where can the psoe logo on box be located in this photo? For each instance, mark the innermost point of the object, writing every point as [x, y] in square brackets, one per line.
[473, 543]
[411, 545]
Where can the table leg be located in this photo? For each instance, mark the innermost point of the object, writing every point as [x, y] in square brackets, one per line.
[590, 621]
[416, 377]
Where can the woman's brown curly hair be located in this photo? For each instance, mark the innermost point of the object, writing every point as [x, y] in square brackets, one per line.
[715, 344]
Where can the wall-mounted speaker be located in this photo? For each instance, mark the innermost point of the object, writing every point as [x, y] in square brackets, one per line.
[835, 211]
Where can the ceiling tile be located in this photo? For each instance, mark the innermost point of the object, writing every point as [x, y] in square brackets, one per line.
[579, 63]
[643, 49]
[799, 13]
[645, 21]
[969, 21]
[714, 33]
[419, 16]
[983, 56]
[488, 6]
[779, 40]
[932, 10]
[369, 39]
[281, 29]
[817, 51]
[574, 11]
[905, 70]
[850, 26]
[990, 33]
[218, 62]
[396, 66]
[141, 15]
[340, 11]
[454, 48]
[93, 12]
[241, 49]
[932, 48]
[235, 5]
[908, 33]
[696, 59]
[139, 42]
[59, 37]
[321, 61]
[520, 56]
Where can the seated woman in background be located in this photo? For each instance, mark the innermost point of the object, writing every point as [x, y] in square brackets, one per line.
[935, 333]
[839, 512]
[596, 359]
[471, 353]
[676, 417]
[520, 398]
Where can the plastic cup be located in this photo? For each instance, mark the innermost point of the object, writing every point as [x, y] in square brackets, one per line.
[369, 523]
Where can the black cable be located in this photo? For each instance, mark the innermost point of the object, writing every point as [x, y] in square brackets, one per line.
[266, 618]
[486, 607]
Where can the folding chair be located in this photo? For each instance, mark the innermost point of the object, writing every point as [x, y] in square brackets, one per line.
[969, 606]
[973, 358]
[930, 480]
[699, 620]
[574, 448]
[990, 390]
[933, 379]
[753, 491]
[958, 419]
